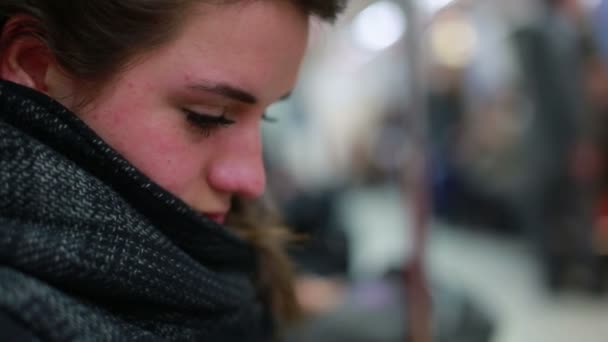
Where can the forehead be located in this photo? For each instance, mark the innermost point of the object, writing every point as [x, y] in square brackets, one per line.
[257, 45]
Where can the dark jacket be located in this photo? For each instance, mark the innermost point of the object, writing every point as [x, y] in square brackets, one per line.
[92, 250]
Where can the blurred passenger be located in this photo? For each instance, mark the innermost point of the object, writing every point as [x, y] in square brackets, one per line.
[446, 109]
[129, 135]
[592, 163]
[556, 206]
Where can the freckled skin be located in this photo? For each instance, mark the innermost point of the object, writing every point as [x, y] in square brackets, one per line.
[257, 46]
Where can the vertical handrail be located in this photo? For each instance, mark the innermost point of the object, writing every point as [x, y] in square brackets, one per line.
[417, 294]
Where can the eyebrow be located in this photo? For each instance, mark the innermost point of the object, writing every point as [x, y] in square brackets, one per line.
[232, 92]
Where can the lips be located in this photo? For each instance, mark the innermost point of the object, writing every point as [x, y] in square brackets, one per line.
[217, 217]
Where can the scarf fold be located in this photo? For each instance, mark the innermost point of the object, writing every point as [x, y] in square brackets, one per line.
[89, 241]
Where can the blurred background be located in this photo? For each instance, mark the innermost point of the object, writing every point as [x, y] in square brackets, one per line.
[447, 161]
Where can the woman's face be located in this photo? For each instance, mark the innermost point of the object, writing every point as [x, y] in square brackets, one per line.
[188, 115]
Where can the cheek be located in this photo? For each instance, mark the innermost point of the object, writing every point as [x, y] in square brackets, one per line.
[155, 144]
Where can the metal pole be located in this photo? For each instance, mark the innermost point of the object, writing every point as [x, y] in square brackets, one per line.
[417, 182]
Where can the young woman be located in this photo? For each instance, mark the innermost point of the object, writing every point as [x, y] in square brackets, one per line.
[129, 143]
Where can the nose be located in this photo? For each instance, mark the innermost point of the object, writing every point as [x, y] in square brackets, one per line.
[238, 168]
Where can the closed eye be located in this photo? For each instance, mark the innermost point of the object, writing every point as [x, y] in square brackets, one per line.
[207, 123]
[268, 118]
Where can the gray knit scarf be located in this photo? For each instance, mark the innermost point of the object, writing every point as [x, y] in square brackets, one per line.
[92, 250]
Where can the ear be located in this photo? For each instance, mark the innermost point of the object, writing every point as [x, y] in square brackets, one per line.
[24, 57]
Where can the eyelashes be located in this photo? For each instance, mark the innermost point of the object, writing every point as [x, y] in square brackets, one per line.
[269, 119]
[206, 123]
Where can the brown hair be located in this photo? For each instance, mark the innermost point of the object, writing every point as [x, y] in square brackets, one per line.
[258, 223]
[94, 40]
